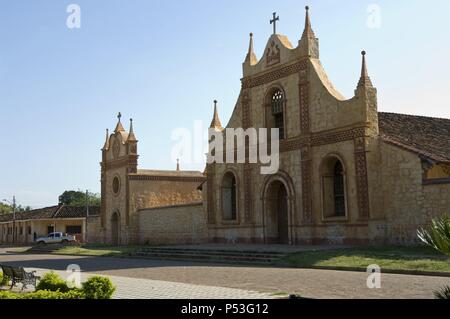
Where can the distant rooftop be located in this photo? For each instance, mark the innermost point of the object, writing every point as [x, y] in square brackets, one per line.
[53, 212]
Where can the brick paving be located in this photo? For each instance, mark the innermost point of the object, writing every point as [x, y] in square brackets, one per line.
[266, 280]
[133, 288]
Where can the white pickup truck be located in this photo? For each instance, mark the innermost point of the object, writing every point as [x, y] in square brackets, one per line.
[55, 238]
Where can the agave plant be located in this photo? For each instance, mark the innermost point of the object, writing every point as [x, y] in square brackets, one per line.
[438, 237]
[444, 293]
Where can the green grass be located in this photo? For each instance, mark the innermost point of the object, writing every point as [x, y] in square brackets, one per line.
[389, 258]
[98, 250]
[422, 259]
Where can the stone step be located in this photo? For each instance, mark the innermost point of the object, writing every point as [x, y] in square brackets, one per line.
[222, 256]
[217, 252]
[210, 256]
[213, 253]
[205, 258]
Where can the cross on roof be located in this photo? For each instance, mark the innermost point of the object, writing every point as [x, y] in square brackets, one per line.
[274, 22]
[119, 116]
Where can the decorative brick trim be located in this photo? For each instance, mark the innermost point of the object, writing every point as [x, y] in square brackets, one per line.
[248, 192]
[210, 195]
[246, 110]
[319, 139]
[129, 160]
[306, 184]
[337, 137]
[167, 178]
[305, 126]
[253, 81]
[172, 206]
[127, 196]
[362, 187]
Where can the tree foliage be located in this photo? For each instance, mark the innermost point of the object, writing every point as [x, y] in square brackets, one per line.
[78, 198]
[8, 209]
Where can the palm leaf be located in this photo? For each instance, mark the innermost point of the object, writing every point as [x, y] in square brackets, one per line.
[438, 235]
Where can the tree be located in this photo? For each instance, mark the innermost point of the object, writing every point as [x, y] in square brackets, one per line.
[5, 209]
[78, 198]
[438, 237]
[8, 209]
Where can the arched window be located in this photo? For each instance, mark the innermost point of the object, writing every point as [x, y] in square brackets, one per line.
[277, 109]
[339, 192]
[333, 188]
[229, 197]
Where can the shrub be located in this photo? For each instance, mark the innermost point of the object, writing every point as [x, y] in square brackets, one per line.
[98, 288]
[4, 280]
[43, 294]
[9, 295]
[51, 286]
[52, 282]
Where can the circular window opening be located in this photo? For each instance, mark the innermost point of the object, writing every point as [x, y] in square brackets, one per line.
[116, 185]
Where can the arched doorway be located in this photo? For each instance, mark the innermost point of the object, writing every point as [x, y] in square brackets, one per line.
[115, 229]
[277, 214]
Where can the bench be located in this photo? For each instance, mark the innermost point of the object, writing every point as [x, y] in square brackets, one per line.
[19, 275]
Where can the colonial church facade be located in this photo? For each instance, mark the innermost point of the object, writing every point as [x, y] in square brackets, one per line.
[126, 191]
[348, 173]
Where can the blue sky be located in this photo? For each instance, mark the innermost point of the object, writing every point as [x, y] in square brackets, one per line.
[163, 62]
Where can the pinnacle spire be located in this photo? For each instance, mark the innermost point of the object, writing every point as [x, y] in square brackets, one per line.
[131, 136]
[119, 127]
[215, 123]
[251, 56]
[364, 81]
[308, 31]
[178, 164]
[250, 47]
[106, 146]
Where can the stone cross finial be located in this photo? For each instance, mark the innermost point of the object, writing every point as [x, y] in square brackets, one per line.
[274, 22]
[119, 116]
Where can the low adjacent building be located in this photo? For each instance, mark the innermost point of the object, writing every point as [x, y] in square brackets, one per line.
[27, 226]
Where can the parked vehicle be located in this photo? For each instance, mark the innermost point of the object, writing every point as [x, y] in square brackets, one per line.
[55, 238]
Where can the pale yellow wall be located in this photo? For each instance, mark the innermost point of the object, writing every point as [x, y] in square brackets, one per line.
[173, 225]
[40, 228]
[407, 203]
[95, 233]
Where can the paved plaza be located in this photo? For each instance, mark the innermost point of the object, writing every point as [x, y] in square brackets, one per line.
[137, 278]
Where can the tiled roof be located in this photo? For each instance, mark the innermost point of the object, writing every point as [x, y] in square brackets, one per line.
[426, 136]
[76, 212]
[54, 212]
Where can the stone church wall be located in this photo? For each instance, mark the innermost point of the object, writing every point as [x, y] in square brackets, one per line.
[172, 225]
[150, 194]
[408, 203]
[95, 232]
